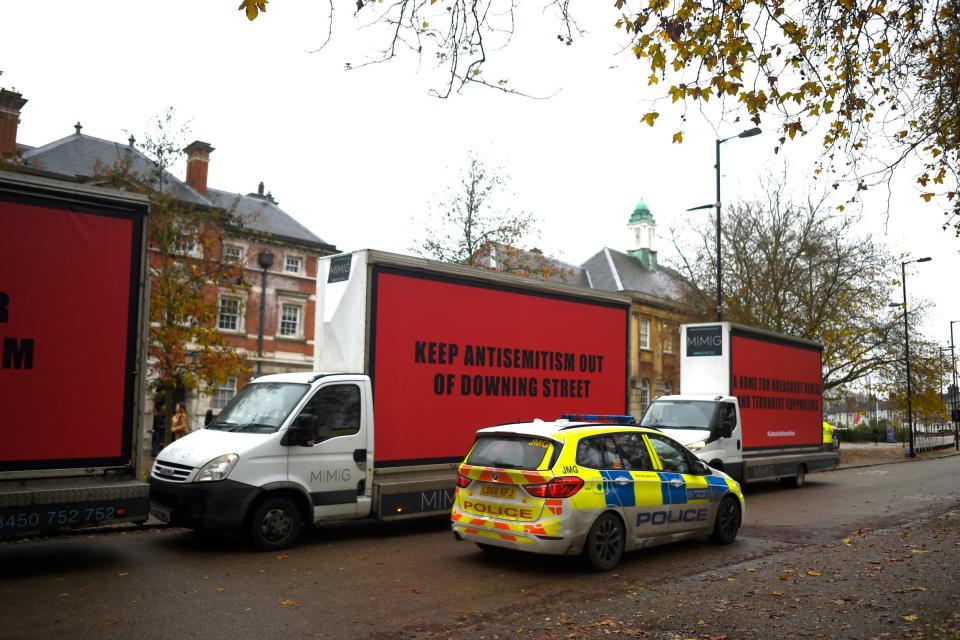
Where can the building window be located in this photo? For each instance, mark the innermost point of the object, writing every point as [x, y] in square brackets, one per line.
[185, 241]
[290, 320]
[223, 393]
[644, 333]
[667, 339]
[232, 253]
[644, 395]
[228, 316]
[292, 264]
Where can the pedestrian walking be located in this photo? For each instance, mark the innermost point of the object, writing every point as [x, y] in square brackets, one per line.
[180, 425]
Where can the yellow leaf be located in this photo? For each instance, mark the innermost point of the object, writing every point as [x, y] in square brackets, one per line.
[926, 196]
[847, 542]
[910, 618]
[784, 577]
[287, 602]
[253, 8]
[426, 25]
[678, 137]
[777, 593]
[813, 573]
[650, 117]
[219, 589]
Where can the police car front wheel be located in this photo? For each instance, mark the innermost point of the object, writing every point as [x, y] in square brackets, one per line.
[727, 524]
[605, 542]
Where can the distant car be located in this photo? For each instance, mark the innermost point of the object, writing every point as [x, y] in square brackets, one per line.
[567, 488]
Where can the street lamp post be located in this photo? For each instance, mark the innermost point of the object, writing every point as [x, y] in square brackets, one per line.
[906, 341]
[748, 133]
[954, 392]
[265, 260]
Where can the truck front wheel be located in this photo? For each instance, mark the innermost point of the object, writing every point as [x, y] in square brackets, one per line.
[274, 524]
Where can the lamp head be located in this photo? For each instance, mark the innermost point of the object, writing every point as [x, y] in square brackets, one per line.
[749, 133]
[927, 259]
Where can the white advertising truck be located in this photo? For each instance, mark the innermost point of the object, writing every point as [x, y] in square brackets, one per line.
[412, 356]
[751, 403]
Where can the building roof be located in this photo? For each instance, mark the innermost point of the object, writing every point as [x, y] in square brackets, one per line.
[83, 156]
[612, 270]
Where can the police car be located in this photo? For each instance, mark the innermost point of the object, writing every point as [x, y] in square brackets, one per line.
[578, 486]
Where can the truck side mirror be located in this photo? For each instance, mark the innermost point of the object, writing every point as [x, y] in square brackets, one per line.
[728, 425]
[302, 432]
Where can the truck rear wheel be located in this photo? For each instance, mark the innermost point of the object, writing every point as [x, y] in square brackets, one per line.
[605, 542]
[796, 481]
[727, 524]
[274, 524]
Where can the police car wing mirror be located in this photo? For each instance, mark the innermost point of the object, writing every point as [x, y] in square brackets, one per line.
[302, 432]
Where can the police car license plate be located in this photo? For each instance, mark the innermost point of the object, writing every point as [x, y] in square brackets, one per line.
[498, 491]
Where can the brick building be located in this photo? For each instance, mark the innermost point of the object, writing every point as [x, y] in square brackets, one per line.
[272, 246]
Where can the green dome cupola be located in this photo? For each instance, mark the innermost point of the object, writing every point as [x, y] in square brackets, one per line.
[643, 232]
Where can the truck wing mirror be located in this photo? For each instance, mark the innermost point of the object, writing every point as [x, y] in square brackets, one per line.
[302, 432]
[728, 425]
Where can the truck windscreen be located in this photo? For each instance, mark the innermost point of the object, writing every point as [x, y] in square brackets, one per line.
[260, 407]
[679, 414]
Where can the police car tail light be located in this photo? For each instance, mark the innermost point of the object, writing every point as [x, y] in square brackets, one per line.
[562, 487]
[463, 481]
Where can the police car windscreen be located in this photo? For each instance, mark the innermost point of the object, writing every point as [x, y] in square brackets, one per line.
[509, 452]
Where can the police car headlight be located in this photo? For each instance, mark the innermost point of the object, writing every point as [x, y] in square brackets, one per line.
[218, 468]
[696, 446]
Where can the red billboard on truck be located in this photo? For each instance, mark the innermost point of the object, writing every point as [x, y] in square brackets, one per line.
[69, 295]
[450, 355]
[779, 388]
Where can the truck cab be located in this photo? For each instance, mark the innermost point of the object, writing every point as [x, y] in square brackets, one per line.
[707, 425]
[288, 449]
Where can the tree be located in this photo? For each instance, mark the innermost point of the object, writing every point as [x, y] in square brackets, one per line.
[926, 379]
[467, 229]
[879, 80]
[186, 266]
[802, 271]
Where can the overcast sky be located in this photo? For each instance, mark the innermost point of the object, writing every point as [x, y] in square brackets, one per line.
[359, 156]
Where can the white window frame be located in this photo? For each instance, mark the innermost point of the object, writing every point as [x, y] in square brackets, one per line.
[301, 318]
[187, 244]
[644, 395]
[286, 264]
[239, 247]
[668, 339]
[239, 315]
[645, 333]
[229, 387]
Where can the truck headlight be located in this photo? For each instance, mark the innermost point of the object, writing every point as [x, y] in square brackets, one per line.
[696, 446]
[218, 468]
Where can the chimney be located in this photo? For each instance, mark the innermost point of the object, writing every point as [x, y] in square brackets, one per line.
[198, 159]
[10, 104]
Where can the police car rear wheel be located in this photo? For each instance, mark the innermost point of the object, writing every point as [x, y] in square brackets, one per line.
[605, 542]
[727, 525]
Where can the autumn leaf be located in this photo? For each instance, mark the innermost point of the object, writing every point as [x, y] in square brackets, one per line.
[848, 542]
[777, 593]
[283, 557]
[678, 137]
[813, 573]
[910, 618]
[219, 589]
[287, 602]
[651, 117]
[415, 590]
[253, 8]
[926, 196]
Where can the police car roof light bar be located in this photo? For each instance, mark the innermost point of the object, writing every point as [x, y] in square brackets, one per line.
[587, 417]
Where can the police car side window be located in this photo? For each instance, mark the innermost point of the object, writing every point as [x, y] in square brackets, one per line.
[671, 455]
[589, 453]
[635, 451]
[336, 410]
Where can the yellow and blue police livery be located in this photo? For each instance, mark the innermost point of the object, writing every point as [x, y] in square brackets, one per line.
[582, 486]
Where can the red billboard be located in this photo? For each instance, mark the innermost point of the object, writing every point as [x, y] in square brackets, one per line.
[779, 388]
[451, 356]
[67, 279]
